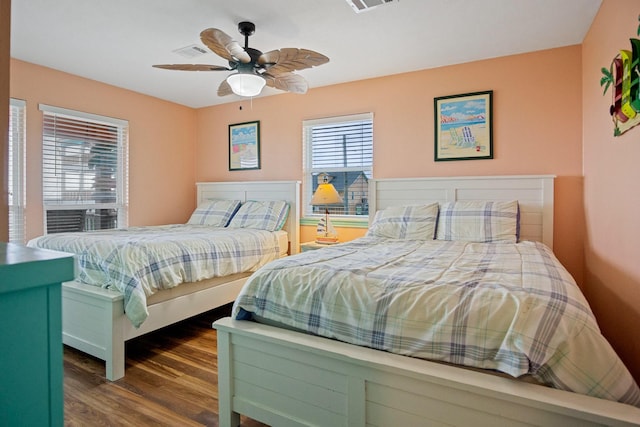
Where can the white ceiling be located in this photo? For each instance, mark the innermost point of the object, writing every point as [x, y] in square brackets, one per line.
[117, 41]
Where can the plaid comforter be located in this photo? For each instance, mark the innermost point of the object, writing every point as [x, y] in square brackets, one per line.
[138, 261]
[500, 306]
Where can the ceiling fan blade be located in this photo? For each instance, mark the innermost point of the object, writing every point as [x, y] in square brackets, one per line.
[224, 89]
[192, 67]
[287, 81]
[223, 45]
[290, 59]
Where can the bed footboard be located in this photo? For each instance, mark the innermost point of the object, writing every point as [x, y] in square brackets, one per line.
[94, 321]
[91, 319]
[282, 377]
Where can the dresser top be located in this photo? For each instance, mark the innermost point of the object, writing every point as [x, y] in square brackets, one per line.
[23, 267]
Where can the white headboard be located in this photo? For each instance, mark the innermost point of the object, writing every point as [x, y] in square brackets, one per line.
[261, 191]
[533, 192]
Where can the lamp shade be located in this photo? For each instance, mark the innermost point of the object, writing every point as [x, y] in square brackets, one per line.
[246, 84]
[326, 194]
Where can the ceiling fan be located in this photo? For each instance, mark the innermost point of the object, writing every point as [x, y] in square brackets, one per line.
[254, 68]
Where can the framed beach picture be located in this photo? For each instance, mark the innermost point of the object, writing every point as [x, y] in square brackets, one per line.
[244, 146]
[463, 126]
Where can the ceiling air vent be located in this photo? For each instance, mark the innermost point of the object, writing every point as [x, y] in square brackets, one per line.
[191, 51]
[362, 5]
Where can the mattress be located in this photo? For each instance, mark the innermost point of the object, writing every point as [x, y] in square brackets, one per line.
[508, 307]
[191, 287]
[140, 261]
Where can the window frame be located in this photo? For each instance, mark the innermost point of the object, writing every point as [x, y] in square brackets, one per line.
[16, 172]
[308, 217]
[121, 203]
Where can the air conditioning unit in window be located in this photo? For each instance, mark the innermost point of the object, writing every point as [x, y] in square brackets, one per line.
[362, 5]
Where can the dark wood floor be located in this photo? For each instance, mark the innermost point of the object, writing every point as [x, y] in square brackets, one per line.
[171, 380]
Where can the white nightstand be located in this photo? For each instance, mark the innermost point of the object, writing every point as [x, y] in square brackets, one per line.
[312, 246]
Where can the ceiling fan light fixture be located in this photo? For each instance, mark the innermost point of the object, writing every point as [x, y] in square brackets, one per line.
[246, 84]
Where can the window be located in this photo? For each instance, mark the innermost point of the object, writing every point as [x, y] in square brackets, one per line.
[16, 170]
[340, 148]
[84, 171]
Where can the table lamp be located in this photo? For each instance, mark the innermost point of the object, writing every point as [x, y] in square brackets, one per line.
[326, 194]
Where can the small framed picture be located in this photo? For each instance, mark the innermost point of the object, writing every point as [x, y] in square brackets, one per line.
[463, 126]
[244, 146]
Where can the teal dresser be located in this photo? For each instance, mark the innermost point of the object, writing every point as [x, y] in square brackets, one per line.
[31, 370]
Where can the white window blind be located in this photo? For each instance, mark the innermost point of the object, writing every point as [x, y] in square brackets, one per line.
[84, 171]
[16, 170]
[342, 149]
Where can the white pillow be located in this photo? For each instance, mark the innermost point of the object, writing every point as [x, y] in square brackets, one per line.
[405, 222]
[269, 215]
[216, 212]
[479, 221]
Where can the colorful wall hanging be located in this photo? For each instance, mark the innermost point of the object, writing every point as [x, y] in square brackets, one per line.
[624, 75]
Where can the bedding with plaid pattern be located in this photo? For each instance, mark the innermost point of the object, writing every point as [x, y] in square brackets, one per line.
[216, 213]
[479, 221]
[510, 307]
[405, 222]
[138, 261]
[263, 215]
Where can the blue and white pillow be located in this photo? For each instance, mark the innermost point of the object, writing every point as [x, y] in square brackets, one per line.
[405, 222]
[479, 221]
[268, 215]
[215, 213]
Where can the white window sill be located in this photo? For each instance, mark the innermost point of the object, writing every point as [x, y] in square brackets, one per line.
[338, 221]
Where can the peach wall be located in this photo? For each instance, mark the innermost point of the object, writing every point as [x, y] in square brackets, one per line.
[537, 129]
[549, 112]
[161, 142]
[611, 196]
[5, 34]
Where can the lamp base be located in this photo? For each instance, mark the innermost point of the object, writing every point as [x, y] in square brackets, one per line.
[327, 240]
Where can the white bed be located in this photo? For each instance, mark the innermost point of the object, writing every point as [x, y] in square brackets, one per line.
[93, 318]
[282, 377]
